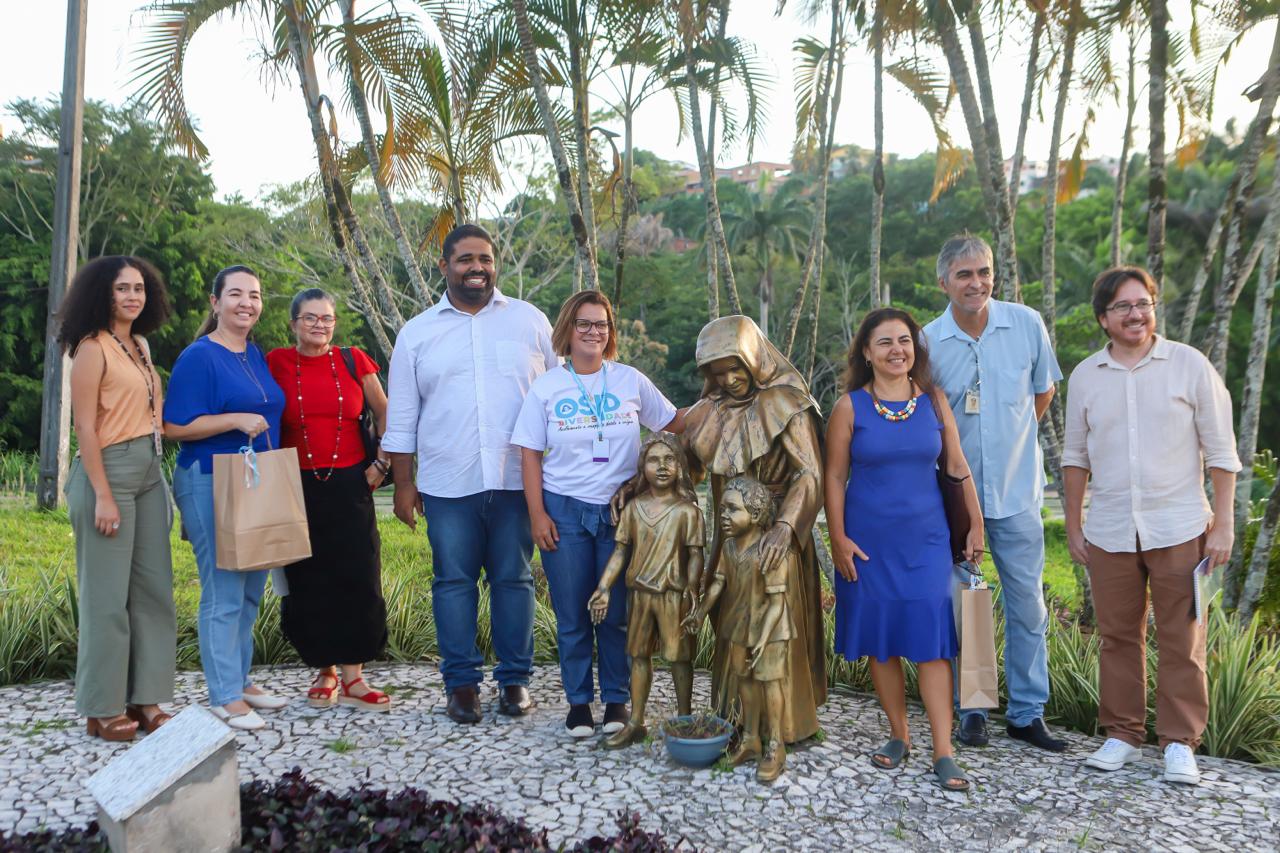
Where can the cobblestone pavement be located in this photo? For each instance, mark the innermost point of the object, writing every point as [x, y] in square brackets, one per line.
[830, 798]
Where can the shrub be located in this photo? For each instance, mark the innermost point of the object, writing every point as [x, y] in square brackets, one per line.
[292, 813]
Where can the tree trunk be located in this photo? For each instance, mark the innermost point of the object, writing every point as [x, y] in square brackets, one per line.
[300, 47]
[582, 123]
[717, 241]
[628, 199]
[766, 296]
[1157, 69]
[1006, 243]
[828, 107]
[1122, 174]
[1257, 576]
[55, 406]
[1232, 282]
[815, 318]
[361, 106]
[877, 169]
[1255, 372]
[1028, 95]
[1050, 243]
[585, 256]
[1212, 246]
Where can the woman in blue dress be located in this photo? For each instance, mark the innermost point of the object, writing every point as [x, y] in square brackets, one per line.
[889, 534]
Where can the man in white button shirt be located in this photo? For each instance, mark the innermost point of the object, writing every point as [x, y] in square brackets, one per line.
[1145, 417]
[459, 374]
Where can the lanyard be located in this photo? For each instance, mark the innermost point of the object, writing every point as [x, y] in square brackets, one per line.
[595, 404]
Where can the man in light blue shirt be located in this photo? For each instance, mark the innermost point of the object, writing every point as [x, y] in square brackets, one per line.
[994, 362]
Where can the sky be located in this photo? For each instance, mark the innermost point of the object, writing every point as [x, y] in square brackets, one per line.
[258, 135]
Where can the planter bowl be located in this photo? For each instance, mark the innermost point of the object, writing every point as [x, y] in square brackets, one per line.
[697, 752]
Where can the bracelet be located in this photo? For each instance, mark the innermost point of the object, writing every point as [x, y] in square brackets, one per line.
[381, 465]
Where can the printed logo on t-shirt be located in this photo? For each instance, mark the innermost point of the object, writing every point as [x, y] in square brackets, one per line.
[576, 412]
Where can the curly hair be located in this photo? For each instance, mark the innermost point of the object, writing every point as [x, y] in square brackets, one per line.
[756, 496]
[86, 309]
[638, 485]
[858, 370]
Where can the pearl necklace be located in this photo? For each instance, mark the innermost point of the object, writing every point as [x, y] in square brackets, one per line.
[302, 418]
[889, 414]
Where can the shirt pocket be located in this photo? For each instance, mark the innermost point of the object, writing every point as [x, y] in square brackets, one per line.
[517, 359]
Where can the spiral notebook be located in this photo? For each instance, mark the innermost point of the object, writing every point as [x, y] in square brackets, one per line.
[1198, 581]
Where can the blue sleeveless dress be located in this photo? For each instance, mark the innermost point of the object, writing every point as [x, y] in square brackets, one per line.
[900, 606]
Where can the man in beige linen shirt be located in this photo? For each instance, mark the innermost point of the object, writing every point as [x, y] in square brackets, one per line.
[1145, 417]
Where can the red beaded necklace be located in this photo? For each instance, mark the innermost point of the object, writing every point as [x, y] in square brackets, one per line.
[302, 418]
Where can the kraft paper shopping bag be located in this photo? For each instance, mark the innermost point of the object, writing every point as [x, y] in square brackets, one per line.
[259, 514]
[979, 680]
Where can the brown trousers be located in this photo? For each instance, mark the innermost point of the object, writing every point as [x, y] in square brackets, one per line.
[1120, 582]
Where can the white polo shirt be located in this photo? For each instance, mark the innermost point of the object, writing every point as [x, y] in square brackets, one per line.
[455, 385]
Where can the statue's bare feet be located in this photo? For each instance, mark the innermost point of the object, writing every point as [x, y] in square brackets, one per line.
[748, 750]
[625, 736]
[775, 759]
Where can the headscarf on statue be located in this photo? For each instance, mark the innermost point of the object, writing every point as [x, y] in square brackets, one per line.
[728, 434]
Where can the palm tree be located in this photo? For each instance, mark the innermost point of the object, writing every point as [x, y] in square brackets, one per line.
[1028, 94]
[1157, 72]
[817, 104]
[569, 195]
[984, 134]
[771, 224]
[691, 17]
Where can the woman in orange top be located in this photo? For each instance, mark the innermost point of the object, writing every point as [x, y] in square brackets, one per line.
[117, 498]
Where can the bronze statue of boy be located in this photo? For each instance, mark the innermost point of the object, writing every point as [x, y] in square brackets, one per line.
[660, 539]
[758, 622]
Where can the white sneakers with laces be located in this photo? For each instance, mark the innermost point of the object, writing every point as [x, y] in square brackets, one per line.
[1180, 765]
[1113, 755]
[1179, 760]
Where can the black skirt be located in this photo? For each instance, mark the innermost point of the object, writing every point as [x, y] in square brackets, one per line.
[334, 612]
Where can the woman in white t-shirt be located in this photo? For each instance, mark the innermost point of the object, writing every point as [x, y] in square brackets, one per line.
[585, 416]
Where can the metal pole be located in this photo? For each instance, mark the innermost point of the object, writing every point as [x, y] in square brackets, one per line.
[55, 415]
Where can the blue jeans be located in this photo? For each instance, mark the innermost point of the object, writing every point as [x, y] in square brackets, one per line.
[489, 529]
[1017, 548]
[228, 600]
[573, 571]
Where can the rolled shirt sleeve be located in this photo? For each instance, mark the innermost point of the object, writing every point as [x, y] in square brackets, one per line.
[404, 401]
[1075, 445]
[1213, 421]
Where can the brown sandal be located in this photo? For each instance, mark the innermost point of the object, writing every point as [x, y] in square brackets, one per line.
[117, 729]
[135, 713]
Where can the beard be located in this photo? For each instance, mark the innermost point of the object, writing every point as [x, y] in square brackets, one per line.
[459, 291]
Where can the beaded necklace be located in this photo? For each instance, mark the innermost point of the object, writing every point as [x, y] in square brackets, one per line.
[889, 414]
[148, 379]
[302, 418]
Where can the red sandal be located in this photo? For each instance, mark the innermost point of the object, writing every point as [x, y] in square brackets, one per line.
[373, 700]
[323, 697]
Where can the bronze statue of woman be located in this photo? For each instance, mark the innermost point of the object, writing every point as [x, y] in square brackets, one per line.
[756, 417]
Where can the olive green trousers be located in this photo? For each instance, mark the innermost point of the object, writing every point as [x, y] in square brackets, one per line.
[128, 625]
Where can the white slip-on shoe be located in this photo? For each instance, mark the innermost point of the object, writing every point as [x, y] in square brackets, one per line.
[249, 721]
[1180, 765]
[1113, 755]
[265, 701]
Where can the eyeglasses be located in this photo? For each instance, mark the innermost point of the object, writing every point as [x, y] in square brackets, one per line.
[311, 320]
[1121, 309]
[584, 326]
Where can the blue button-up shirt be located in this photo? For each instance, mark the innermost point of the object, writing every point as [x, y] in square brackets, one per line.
[1008, 365]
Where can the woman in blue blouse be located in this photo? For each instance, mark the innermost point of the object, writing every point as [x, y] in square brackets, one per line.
[219, 392]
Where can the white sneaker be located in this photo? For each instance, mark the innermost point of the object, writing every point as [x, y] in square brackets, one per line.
[1113, 755]
[1180, 764]
[249, 721]
[265, 701]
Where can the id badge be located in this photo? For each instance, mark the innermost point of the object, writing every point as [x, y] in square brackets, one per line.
[972, 403]
[599, 449]
[158, 441]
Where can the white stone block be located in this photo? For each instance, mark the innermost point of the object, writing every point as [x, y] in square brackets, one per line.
[178, 789]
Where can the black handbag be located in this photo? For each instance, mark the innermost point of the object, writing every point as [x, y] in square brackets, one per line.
[368, 425]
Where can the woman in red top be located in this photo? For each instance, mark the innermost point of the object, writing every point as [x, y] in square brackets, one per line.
[333, 612]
